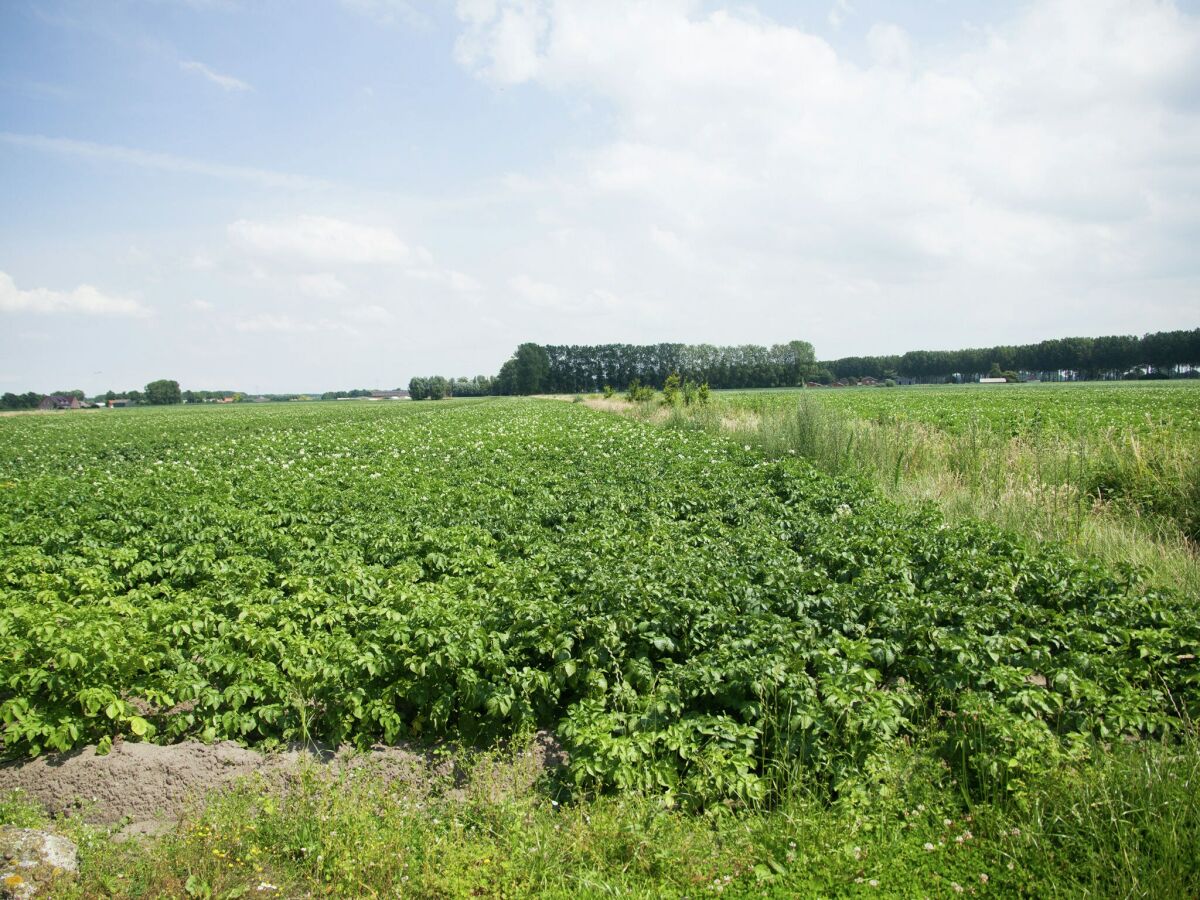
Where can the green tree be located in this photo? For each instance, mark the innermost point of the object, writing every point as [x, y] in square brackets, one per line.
[439, 388]
[418, 388]
[671, 389]
[531, 370]
[163, 392]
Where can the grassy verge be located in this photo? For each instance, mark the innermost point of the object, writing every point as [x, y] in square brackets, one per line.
[1127, 824]
[1112, 496]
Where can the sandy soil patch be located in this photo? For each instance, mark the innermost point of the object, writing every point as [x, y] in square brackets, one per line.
[150, 783]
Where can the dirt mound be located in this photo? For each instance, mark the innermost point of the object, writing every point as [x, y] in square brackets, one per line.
[154, 783]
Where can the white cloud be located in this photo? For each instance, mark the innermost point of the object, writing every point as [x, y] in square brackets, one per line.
[268, 322]
[310, 240]
[839, 12]
[322, 285]
[889, 45]
[1054, 155]
[83, 300]
[370, 315]
[225, 82]
[540, 296]
[323, 240]
[161, 161]
[535, 292]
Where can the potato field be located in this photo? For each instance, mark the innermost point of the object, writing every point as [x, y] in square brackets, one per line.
[1157, 410]
[692, 619]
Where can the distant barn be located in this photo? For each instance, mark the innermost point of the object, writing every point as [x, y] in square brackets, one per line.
[58, 401]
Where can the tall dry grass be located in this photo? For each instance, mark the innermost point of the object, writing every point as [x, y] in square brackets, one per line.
[1110, 495]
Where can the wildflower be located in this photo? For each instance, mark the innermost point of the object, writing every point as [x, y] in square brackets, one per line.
[983, 879]
[957, 888]
[874, 882]
[929, 847]
[266, 886]
[947, 822]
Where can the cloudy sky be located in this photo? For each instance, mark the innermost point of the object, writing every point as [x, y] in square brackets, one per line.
[273, 196]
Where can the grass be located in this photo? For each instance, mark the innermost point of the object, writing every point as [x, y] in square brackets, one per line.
[1127, 824]
[1117, 496]
[1108, 821]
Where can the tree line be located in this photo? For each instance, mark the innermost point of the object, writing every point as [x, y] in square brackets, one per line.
[157, 393]
[435, 387]
[1111, 356]
[552, 369]
[556, 368]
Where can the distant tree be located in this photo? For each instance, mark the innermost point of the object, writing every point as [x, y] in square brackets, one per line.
[163, 392]
[506, 381]
[418, 388]
[20, 401]
[134, 396]
[532, 369]
[439, 388]
[671, 388]
[690, 392]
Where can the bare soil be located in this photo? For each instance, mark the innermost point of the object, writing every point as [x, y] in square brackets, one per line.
[150, 785]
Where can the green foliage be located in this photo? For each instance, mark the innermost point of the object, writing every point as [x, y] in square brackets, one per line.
[586, 368]
[527, 372]
[1124, 824]
[609, 392]
[28, 400]
[689, 615]
[672, 390]
[638, 392]
[1111, 356]
[163, 393]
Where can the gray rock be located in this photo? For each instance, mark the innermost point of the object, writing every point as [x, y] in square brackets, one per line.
[32, 860]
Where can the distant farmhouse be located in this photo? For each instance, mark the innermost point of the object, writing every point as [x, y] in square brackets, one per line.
[58, 401]
[389, 395]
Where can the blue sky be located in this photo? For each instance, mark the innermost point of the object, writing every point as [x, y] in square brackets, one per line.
[298, 196]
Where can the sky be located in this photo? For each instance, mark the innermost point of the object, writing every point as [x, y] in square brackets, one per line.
[276, 196]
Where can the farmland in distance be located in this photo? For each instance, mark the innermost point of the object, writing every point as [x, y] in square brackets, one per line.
[699, 621]
[1108, 470]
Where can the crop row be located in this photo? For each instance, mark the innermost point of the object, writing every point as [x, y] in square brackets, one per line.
[684, 613]
[1155, 410]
